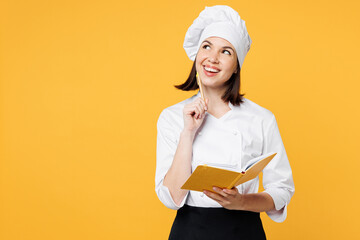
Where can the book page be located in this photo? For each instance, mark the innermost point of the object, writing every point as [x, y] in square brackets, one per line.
[255, 160]
[254, 170]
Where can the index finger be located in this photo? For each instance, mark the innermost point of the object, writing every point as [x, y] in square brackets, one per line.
[232, 191]
[220, 191]
[203, 103]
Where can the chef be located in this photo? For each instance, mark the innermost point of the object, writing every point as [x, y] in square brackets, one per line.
[222, 129]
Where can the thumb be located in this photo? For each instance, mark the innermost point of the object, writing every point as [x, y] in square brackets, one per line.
[206, 104]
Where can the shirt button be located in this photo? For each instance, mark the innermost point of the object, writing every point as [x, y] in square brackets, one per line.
[200, 133]
[202, 194]
[235, 132]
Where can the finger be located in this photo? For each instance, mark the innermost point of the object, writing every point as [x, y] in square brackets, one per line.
[232, 191]
[214, 196]
[200, 106]
[198, 111]
[199, 102]
[195, 109]
[202, 110]
[192, 110]
[203, 104]
[220, 191]
[189, 110]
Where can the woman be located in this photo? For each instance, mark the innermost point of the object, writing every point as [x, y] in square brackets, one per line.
[225, 130]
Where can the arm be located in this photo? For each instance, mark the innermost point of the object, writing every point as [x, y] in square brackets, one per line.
[180, 169]
[232, 199]
[257, 202]
[174, 159]
[277, 175]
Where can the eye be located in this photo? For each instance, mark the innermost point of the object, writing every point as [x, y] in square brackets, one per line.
[206, 46]
[227, 52]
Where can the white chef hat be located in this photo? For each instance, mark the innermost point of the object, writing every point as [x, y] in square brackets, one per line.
[218, 21]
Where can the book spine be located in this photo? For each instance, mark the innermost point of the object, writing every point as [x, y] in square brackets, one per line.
[235, 181]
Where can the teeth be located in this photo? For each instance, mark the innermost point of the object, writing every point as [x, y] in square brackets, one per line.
[211, 70]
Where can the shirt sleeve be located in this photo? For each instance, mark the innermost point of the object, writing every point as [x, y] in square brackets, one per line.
[277, 175]
[165, 151]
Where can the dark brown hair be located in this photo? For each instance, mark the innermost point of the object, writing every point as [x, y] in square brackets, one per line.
[232, 93]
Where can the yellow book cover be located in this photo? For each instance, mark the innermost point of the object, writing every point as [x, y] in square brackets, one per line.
[205, 177]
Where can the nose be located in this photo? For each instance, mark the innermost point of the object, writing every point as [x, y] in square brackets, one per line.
[213, 57]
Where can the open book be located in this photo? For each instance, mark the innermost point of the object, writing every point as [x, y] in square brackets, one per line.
[205, 177]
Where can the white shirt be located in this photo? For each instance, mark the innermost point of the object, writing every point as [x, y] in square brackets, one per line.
[244, 132]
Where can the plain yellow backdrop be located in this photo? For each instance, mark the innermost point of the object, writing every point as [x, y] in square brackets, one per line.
[82, 84]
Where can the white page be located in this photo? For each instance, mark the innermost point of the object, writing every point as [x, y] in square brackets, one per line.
[255, 160]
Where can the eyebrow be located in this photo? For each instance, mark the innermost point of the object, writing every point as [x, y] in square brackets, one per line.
[222, 47]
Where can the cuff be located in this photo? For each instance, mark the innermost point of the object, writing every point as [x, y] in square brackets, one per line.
[166, 198]
[280, 212]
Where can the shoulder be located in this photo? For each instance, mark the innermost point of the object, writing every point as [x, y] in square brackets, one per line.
[255, 110]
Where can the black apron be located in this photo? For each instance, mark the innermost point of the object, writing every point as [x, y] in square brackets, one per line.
[216, 224]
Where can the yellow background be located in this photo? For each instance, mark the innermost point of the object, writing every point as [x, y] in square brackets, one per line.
[82, 84]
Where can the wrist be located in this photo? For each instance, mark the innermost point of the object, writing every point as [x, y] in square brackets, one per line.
[187, 134]
[242, 202]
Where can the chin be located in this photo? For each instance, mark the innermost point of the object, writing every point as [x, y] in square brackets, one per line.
[212, 85]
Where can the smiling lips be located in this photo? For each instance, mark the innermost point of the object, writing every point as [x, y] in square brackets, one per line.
[210, 71]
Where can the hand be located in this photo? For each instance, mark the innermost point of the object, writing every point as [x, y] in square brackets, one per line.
[194, 114]
[228, 198]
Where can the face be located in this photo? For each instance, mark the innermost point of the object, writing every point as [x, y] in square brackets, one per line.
[216, 61]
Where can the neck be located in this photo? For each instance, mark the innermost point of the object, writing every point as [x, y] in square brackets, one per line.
[216, 104]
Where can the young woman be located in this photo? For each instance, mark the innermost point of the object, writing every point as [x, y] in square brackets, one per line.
[225, 130]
